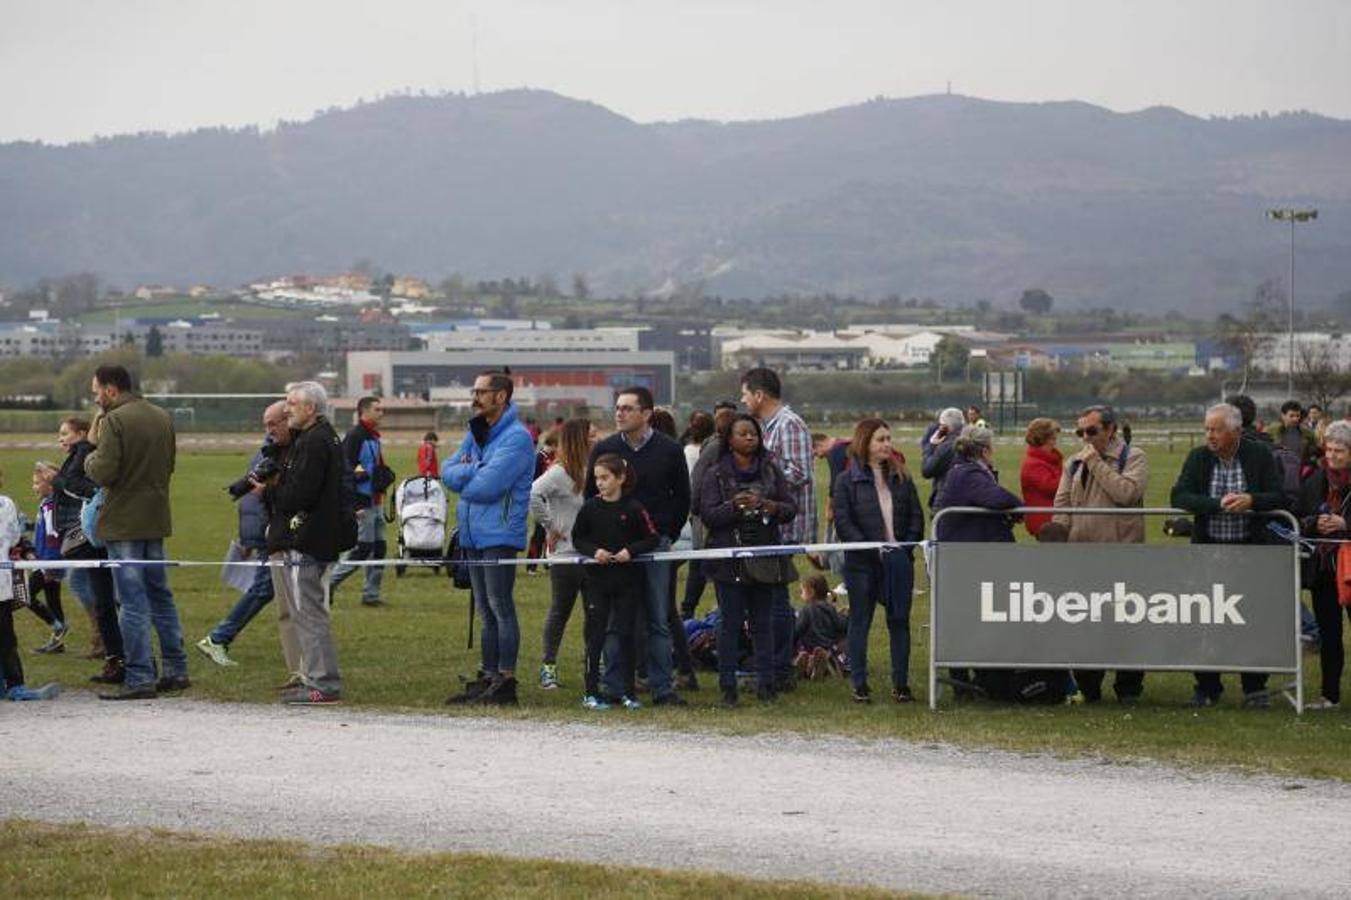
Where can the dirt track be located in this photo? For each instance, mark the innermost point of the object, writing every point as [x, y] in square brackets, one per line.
[889, 814]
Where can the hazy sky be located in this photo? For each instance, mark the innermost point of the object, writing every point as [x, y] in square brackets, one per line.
[70, 69]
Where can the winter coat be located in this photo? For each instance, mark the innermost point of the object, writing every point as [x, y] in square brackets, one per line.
[11, 532]
[1102, 481]
[1192, 490]
[133, 462]
[1040, 477]
[858, 513]
[361, 448]
[1313, 499]
[492, 472]
[719, 485]
[937, 462]
[305, 502]
[71, 487]
[251, 509]
[971, 483]
[555, 502]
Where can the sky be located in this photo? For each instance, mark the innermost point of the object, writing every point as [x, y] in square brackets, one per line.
[73, 69]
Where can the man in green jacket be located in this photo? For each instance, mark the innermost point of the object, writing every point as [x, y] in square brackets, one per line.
[1220, 482]
[132, 462]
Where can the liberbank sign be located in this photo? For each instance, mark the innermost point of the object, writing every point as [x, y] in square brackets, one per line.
[1192, 606]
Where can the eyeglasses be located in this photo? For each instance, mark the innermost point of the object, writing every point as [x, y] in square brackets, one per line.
[1090, 431]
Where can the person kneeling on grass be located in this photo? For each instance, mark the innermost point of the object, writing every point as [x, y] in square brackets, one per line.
[821, 628]
[11, 667]
[612, 528]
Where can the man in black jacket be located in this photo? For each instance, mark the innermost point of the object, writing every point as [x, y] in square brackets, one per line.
[663, 489]
[308, 527]
[1220, 482]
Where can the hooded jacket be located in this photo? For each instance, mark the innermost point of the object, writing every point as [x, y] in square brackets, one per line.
[492, 472]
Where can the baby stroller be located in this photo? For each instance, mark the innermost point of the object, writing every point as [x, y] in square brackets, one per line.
[420, 506]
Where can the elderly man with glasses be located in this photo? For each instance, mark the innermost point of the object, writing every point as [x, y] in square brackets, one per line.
[1105, 473]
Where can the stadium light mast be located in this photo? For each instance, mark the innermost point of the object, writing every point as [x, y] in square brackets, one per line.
[1293, 216]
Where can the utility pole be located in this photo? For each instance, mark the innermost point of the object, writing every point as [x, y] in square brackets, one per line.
[1292, 216]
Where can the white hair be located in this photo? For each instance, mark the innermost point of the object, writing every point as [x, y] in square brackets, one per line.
[973, 440]
[1232, 417]
[314, 394]
[952, 417]
[1338, 433]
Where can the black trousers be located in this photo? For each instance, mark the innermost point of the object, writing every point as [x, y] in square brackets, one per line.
[565, 583]
[40, 588]
[1128, 685]
[10, 664]
[609, 608]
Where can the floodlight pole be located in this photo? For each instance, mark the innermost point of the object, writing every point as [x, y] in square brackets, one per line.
[1292, 216]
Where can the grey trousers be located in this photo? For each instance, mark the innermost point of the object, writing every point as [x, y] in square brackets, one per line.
[307, 641]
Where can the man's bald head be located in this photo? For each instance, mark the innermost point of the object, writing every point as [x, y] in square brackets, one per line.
[274, 423]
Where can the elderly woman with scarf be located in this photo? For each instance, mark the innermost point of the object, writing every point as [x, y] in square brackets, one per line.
[1326, 510]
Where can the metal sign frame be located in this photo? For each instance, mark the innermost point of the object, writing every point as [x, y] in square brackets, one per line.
[935, 602]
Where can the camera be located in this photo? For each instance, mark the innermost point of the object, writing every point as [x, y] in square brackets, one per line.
[267, 467]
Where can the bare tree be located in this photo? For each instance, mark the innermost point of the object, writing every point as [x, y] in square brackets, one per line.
[1317, 375]
[1248, 335]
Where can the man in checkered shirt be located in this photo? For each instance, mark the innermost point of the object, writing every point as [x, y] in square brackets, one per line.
[790, 442]
[1219, 482]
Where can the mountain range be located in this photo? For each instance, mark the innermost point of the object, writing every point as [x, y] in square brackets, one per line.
[945, 197]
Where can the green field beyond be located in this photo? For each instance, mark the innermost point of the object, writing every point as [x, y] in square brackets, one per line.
[406, 655]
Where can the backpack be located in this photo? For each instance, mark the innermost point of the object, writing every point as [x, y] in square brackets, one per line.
[1288, 463]
[1077, 463]
[457, 568]
[348, 500]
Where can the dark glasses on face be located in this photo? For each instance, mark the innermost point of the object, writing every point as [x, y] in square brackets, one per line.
[1090, 431]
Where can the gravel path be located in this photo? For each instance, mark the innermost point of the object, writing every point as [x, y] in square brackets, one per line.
[891, 814]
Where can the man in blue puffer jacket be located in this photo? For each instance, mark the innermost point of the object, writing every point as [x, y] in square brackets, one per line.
[492, 472]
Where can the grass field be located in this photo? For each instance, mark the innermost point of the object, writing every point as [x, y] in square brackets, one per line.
[97, 862]
[406, 655]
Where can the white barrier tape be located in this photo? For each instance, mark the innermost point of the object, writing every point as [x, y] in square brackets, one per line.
[664, 556]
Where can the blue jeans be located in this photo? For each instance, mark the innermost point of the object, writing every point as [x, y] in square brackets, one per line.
[656, 600]
[738, 601]
[371, 544]
[499, 633]
[258, 595]
[889, 581]
[146, 602]
[79, 585]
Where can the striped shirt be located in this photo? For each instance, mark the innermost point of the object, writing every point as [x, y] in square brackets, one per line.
[787, 438]
[1227, 478]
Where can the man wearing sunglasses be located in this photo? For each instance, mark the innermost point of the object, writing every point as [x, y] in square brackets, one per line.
[1106, 473]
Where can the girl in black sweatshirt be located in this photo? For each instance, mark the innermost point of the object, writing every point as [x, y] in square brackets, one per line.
[612, 528]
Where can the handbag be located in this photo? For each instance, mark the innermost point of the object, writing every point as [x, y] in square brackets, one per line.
[772, 570]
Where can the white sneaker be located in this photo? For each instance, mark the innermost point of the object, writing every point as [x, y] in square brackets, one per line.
[215, 652]
[1321, 703]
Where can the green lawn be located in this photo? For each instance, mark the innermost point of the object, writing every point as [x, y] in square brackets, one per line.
[407, 654]
[60, 861]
